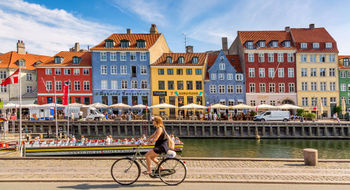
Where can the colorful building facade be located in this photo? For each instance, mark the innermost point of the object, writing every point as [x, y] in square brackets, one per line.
[178, 79]
[344, 80]
[317, 65]
[224, 80]
[121, 67]
[72, 68]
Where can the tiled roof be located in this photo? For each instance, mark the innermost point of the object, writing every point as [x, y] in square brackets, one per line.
[233, 59]
[267, 36]
[340, 57]
[175, 57]
[10, 60]
[149, 38]
[68, 59]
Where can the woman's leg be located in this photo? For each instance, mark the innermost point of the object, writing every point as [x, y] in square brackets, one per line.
[151, 156]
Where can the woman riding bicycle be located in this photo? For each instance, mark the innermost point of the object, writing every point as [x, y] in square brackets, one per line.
[161, 146]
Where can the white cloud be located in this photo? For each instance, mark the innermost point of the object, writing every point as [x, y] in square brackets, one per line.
[46, 31]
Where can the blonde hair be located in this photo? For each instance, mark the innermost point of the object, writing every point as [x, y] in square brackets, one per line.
[159, 121]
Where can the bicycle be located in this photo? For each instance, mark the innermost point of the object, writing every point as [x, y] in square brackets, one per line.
[170, 170]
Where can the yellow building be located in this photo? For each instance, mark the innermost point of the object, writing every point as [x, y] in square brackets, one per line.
[178, 79]
[317, 70]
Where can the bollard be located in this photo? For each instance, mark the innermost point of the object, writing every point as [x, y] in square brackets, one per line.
[310, 157]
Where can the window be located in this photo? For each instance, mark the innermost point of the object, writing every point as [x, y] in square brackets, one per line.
[212, 89]
[287, 44]
[270, 57]
[280, 57]
[252, 102]
[272, 87]
[221, 76]
[29, 77]
[290, 57]
[140, 43]
[304, 72]
[58, 85]
[239, 77]
[305, 101]
[134, 84]
[239, 89]
[261, 72]
[57, 71]
[222, 66]
[169, 60]
[328, 45]
[103, 69]
[143, 56]
[262, 87]
[124, 84]
[189, 99]
[323, 86]
[252, 87]
[332, 86]
[213, 76]
[144, 84]
[181, 60]
[3, 74]
[303, 58]
[132, 56]
[188, 71]
[67, 71]
[315, 45]
[261, 57]
[104, 84]
[290, 72]
[143, 70]
[123, 70]
[58, 60]
[199, 85]
[313, 101]
[180, 85]
[304, 86]
[348, 87]
[274, 44]
[251, 72]
[343, 87]
[324, 101]
[313, 72]
[262, 44]
[342, 74]
[271, 73]
[198, 71]
[160, 71]
[3, 88]
[250, 57]
[124, 43]
[122, 56]
[272, 102]
[346, 62]
[322, 58]
[170, 85]
[313, 58]
[113, 70]
[113, 56]
[47, 72]
[303, 45]
[291, 87]
[230, 89]
[231, 102]
[76, 60]
[189, 85]
[333, 100]
[170, 71]
[48, 85]
[280, 72]
[332, 72]
[103, 56]
[133, 71]
[195, 60]
[313, 86]
[281, 88]
[86, 71]
[109, 43]
[322, 72]
[114, 84]
[229, 76]
[250, 45]
[76, 85]
[331, 58]
[29, 89]
[221, 89]
[76, 71]
[179, 71]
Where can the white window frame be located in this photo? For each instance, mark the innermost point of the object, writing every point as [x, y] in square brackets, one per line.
[76, 71]
[281, 88]
[48, 71]
[262, 87]
[230, 89]
[316, 45]
[103, 69]
[143, 70]
[251, 57]
[229, 76]
[239, 89]
[212, 89]
[290, 72]
[261, 72]
[134, 84]
[304, 86]
[86, 71]
[271, 57]
[122, 56]
[133, 56]
[123, 70]
[290, 57]
[77, 85]
[239, 77]
[323, 86]
[124, 84]
[261, 57]
[251, 72]
[252, 88]
[48, 85]
[144, 84]
[58, 85]
[329, 45]
[113, 56]
[29, 76]
[271, 73]
[221, 76]
[303, 45]
[114, 69]
[304, 72]
[86, 85]
[291, 87]
[143, 56]
[58, 71]
[104, 84]
[221, 89]
[103, 56]
[280, 72]
[222, 66]
[280, 57]
[213, 76]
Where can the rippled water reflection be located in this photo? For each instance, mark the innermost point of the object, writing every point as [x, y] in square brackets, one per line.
[265, 148]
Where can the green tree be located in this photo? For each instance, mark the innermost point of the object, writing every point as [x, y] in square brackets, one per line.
[300, 112]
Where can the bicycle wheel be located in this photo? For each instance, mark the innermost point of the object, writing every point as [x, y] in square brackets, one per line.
[125, 171]
[172, 171]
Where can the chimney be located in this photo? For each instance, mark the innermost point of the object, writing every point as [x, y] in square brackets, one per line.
[189, 49]
[311, 26]
[224, 44]
[153, 29]
[287, 29]
[20, 47]
[76, 47]
[128, 31]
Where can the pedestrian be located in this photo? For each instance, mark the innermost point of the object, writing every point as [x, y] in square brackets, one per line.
[80, 115]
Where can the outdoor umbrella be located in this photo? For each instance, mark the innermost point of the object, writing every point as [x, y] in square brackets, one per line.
[241, 107]
[30, 105]
[11, 105]
[139, 106]
[343, 105]
[288, 107]
[193, 106]
[119, 105]
[164, 105]
[77, 105]
[219, 106]
[52, 105]
[98, 105]
[266, 107]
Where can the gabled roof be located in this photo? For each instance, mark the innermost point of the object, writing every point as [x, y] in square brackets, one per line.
[233, 59]
[340, 57]
[267, 36]
[68, 59]
[117, 38]
[175, 57]
[10, 60]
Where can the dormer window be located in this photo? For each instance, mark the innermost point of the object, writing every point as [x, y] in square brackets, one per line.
[315, 45]
[124, 43]
[169, 60]
[37, 63]
[328, 45]
[221, 58]
[250, 45]
[141, 43]
[21, 63]
[262, 44]
[274, 44]
[76, 60]
[195, 60]
[303, 45]
[109, 43]
[181, 60]
[222, 66]
[346, 62]
[287, 44]
[58, 60]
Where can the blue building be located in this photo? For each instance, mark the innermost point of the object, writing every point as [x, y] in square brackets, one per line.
[224, 82]
[121, 67]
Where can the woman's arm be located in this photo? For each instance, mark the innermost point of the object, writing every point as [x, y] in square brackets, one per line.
[157, 134]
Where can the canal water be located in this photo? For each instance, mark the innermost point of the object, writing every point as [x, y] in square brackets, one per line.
[265, 148]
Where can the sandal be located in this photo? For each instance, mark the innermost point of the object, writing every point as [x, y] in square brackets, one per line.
[146, 173]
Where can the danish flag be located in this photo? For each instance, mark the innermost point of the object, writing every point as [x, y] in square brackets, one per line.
[12, 79]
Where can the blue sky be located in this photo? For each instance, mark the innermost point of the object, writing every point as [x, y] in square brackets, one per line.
[48, 26]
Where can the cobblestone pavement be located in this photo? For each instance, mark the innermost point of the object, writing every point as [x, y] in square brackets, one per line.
[198, 171]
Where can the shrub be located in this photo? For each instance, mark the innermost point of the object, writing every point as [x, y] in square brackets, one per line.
[300, 112]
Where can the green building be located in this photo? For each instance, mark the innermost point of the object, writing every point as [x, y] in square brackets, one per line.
[344, 81]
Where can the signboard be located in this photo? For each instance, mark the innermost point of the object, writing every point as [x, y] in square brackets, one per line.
[159, 93]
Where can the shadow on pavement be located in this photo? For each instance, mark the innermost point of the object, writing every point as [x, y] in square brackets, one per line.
[294, 164]
[107, 186]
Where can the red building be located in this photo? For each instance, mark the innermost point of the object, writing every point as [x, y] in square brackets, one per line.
[269, 66]
[73, 68]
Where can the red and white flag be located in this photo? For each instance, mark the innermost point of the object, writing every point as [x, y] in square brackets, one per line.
[12, 79]
[65, 94]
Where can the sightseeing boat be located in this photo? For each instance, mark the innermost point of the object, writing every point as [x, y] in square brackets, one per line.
[92, 147]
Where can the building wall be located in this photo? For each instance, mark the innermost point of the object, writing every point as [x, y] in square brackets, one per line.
[346, 81]
[158, 48]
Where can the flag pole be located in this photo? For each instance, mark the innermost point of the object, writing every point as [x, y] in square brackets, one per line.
[54, 78]
[68, 111]
[20, 110]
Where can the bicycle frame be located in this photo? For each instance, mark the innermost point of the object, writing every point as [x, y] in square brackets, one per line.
[139, 157]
